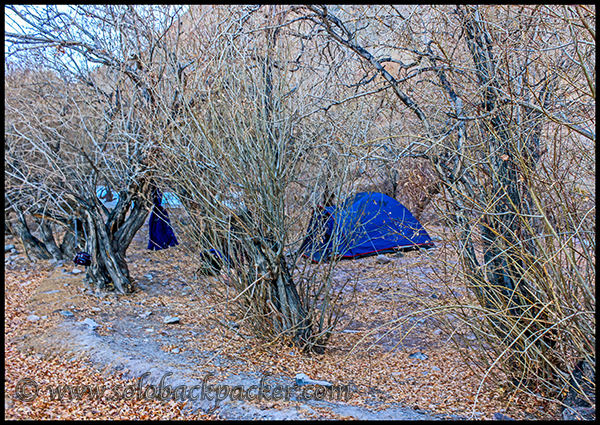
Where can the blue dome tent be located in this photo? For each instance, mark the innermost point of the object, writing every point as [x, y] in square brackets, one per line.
[367, 224]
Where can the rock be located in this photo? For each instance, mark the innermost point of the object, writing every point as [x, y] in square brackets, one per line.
[14, 251]
[170, 320]
[501, 417]
[382, 259]
[67, 313]
[148, 276]
[579, 414]
[33, 318]
[419, 356]
[436, 369]
[175, 350]
[77, 271]
[303, 379]
[437, 332]
[52, 260]
[90, 323]
[8, 247]
[149, 330]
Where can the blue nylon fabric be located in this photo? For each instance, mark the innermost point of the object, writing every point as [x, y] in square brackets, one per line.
[367, 224]
[159, 226]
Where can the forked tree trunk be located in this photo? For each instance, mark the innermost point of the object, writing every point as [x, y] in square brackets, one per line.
[290, 317]
[108, 270]
[109, 238]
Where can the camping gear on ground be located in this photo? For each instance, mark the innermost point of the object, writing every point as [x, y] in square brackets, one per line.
[211, 262]
[159, 225]
[83, 259]
[366, 224]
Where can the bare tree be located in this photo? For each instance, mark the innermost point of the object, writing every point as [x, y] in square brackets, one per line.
[512, 84]
[87, 116]
[251, 159]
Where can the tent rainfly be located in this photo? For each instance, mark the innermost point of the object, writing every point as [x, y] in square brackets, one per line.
[367, 224]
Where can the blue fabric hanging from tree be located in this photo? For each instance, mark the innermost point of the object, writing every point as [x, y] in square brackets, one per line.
[161, 232]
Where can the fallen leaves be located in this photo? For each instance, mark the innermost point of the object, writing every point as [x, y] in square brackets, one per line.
[377, 367]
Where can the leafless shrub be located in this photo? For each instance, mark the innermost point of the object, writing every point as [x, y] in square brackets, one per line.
[503, 101]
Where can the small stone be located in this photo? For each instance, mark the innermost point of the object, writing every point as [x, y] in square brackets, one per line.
[77, 271]
[8, 247]
[436, 369]
[91, 323]
[175, 350]
[303, 379]
[67, 313]
[382, 259]
[14, 251]
[171, 320]
[148, 276]
[419, 356]
[437, 332]
[95, 309]
[33, 318]
[501, 417]
[150, 330]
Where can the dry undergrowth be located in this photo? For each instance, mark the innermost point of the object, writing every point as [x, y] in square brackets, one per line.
[378, 374]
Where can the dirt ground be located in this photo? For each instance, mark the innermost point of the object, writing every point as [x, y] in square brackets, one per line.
[377, 365]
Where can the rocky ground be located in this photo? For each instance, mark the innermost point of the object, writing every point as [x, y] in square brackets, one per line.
[59, 331]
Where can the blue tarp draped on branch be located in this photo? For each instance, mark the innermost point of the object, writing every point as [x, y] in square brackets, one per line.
[161, 232]
[367, 224]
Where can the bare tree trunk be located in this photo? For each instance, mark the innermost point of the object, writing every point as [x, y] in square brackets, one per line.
[34, 248]
[108, 239]
[48, 239]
